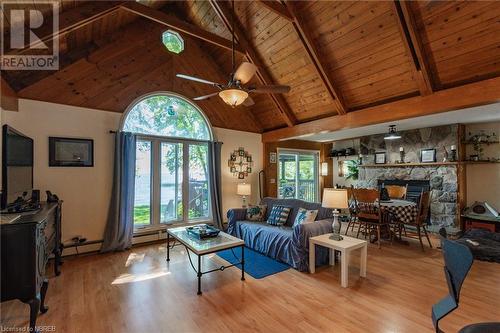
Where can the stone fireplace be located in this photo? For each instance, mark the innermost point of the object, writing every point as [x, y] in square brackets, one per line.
[442, 182]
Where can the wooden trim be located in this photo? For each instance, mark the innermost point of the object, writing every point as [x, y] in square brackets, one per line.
[278, 8]
[72, 20]
[8, 98]
[474, 94]
[413, 45]
[299, 24]
[461, 175]
[179, 25]
[224, 13]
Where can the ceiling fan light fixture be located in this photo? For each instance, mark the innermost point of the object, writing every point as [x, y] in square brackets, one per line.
[233, 97]
[392, 134]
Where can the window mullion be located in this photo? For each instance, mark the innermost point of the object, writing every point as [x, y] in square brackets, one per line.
[185, 182]
[156, 183]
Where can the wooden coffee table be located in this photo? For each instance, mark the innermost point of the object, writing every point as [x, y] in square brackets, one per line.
[345, 246]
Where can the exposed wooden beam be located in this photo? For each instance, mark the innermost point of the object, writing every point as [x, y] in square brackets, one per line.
[474, 94]
[8, 97]
[178, 25]
[413, 45]
[224, 13]
[299, 24]
[73, 19]
[277, 8]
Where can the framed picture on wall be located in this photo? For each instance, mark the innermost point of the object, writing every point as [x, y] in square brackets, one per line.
[428, 155]
[70, 152]
[272, 157]
[380, 158]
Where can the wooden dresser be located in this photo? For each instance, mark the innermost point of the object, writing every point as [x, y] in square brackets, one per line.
[26, 245]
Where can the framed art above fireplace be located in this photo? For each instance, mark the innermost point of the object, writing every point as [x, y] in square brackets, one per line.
[428, 155]
[380, 158]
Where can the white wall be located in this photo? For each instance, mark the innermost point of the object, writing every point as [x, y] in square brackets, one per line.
[86, 191]
[252, 142]
[483, 180]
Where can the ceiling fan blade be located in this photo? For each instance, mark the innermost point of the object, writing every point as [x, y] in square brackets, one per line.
[275, 89]
[192, 78]
[200, 98]
[248, 101]
[245, 72]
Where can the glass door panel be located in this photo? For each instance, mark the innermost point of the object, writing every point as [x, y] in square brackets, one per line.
[198, 202]
[287, 171]
[142, 200]
[298, 175]
[171, 182]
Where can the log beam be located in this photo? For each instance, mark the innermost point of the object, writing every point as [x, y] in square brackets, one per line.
[470, 95]
[264, 76]
[177, 24]
[413, 46]
[8, 98]
[299, 25]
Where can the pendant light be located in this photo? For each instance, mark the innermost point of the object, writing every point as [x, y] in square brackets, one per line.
[393, 134]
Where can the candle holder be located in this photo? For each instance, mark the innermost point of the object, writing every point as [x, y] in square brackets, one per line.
[453, 157]
[401, 156]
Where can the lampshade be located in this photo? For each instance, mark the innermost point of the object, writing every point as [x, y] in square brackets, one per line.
[324, 168]
[335, 198]
[233, 97]
[243, 189]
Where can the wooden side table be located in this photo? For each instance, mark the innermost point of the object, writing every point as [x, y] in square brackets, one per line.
[345, 246]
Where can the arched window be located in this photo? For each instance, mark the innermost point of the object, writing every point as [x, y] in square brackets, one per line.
[171, 178]
[166, 114]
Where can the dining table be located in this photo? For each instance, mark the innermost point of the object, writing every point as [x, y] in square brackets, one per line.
[401, 211]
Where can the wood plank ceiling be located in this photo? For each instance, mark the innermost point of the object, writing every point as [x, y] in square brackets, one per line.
[337, 56]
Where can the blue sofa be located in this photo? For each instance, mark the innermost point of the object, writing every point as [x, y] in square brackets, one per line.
[283, 243]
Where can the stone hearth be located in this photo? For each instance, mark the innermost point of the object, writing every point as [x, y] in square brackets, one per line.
[443, 183]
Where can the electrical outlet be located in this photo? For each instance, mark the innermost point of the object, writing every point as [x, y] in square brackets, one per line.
[272, 181]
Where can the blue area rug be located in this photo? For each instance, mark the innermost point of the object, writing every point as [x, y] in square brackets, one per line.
[257, 265]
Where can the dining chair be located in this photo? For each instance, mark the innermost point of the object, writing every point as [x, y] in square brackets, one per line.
[371, 218]
[420, 221]
[457, 263]
[353, 217]
[397, 191]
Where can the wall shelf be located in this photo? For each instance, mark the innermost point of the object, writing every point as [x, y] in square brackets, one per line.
[402, 165]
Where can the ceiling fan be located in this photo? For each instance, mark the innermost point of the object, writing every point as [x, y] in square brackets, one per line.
[234, 92]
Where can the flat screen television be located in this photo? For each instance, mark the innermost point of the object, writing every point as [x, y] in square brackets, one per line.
[17, 167]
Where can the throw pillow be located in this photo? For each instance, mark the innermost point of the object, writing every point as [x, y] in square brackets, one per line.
[256, 213]
[305, 216]
[278, 215]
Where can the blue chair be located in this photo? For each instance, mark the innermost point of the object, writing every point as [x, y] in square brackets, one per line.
[457, 263]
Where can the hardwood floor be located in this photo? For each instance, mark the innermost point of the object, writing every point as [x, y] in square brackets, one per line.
[138, 291]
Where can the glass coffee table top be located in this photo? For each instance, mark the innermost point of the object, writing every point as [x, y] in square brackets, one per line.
[208, 245]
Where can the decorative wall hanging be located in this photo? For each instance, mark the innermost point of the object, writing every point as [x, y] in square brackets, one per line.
[240, 163]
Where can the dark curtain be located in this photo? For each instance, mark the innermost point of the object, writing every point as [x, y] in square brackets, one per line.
[214, 158]
[120, 223]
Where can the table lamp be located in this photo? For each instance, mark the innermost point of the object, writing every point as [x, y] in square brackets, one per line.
[336, 199]
[244, 189]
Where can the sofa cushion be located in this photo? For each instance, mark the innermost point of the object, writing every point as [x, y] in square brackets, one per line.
[256, 213]
[305, 216]
[295, 204]
[279, 215]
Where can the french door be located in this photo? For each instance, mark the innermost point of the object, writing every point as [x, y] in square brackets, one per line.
[171, 182]
[298, 174]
